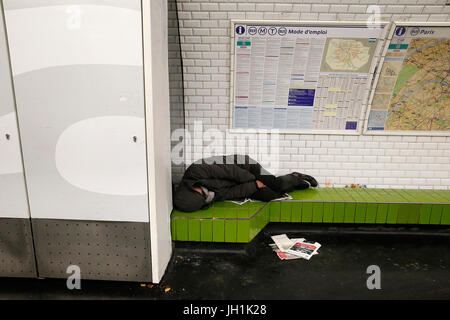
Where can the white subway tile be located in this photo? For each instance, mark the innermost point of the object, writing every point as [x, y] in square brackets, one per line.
[227, 6]
[389, 161]
[321, 8]
[264, 7]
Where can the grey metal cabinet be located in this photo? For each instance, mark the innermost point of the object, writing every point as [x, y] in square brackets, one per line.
[89, 116]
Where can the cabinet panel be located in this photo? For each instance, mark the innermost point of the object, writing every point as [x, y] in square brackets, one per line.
[16, 244]
[78, 79]
[13, 201]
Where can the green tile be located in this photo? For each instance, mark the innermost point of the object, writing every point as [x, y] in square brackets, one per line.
[403, 213]
[286, 212]
[423, 196]
[360, 213]
[265, 215]
[339, 212]
[317, 207]
[382, 212]
[325, 193]
[173, 229]
[402, 196]
[220, 212]
[436, 214]
[446, 195]
[194, 230]
[296, 212]
[371, 212]
[414, 214]
[317, 212]
[437, 195]
[258, 222]
[328, 212]
[358, 195]
[275, 211]
[349, 212]
[231, 224]
[230, 230]
[341, 195]
[313, 205]
[409, 196]
[307, 212]
[306, 195]
[243, 230]
[392, 213]
[182, 229]
[387, 195]
[218, 230]
[368, 195]
[345, 194]
[425, 214]
[339, 207]
[445, 214]
[206, 230]
[330, 208]
[242, 213]
[376, 195]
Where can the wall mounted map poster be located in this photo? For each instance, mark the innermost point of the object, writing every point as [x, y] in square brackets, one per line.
[302, 77]
[412, 92]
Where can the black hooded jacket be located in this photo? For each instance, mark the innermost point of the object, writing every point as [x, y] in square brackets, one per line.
[232, 178]
[227, 179]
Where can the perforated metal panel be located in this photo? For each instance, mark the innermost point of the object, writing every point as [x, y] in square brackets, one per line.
[16, 248]
[103, 250]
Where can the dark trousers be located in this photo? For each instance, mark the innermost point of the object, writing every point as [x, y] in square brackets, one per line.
[276, 186]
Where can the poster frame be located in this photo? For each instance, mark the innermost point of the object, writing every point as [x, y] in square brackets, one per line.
[396, 24]
[386, 25]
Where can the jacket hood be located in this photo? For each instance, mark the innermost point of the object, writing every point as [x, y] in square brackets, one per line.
[188, 200]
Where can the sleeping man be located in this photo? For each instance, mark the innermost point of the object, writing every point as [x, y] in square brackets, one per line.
[234, 177]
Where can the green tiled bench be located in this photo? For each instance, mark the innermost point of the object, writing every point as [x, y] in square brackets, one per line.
[228, 222]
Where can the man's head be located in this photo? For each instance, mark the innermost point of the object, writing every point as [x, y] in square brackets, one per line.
[187, 199]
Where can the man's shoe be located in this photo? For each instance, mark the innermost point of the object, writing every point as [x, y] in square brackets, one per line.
[310, 180]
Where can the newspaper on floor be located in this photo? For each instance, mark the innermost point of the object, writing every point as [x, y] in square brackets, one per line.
[284, 255]
[283, 242]
[241, 202]
[304, 249]
[283, 247]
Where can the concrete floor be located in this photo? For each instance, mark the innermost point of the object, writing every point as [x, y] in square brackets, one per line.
[414, 264]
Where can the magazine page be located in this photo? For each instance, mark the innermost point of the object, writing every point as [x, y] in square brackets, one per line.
[282, 241]
[284, 255]
[304, 249]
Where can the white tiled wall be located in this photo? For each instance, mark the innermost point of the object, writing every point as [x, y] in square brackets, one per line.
[377, 161]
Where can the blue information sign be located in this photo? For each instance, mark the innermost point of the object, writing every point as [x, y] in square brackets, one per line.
[301, 97]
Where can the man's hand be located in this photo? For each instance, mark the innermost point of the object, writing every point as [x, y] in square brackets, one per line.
[260, 184]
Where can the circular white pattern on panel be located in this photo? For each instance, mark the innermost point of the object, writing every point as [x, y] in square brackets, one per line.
[10, 157]
[104, 155]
